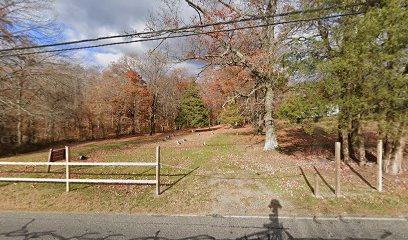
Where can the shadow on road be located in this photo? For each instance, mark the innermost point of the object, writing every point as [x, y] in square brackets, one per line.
[24, 233]
[274, 230]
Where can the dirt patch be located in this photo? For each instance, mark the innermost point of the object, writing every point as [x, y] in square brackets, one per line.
[240, 197]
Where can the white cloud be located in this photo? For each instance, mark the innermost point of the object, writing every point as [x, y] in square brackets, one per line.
[104, 59]
[192, 67]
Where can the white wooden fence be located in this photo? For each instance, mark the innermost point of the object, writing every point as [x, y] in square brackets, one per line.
[67, 180]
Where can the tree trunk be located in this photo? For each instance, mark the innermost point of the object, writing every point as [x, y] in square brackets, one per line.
[118, 128]
[134, 118]
[19, 129]
[260, 123]
[133, 126]
[395, 141]
[270, 135]
[91, 128]
[103, 130]
[31, 131]
[358, 141]
[344, 126]
[361, 146]
[397, 156]
[271, 142]
[19, 132]
[77, 128]
[52, 130]
[258, 116]
[153, 115]
[387, 154]
[345, 145]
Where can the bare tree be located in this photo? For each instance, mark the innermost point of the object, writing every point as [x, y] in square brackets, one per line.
[259, 50]
[154, 68]
[22, 22]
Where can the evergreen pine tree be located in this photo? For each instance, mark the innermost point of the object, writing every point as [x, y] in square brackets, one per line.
[192, 111]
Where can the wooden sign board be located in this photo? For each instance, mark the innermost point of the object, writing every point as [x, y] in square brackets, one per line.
[56, 155]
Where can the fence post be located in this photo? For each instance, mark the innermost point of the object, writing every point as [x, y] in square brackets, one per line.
[49, 160]
[67, 167]
[379, 165]
[337, 162]
[158, 170]
[317, 187]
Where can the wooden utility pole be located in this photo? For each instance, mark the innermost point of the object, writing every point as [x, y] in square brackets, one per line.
[379, 165]
[337, 162]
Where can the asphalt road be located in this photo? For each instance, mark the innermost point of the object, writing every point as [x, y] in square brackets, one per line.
[100, 226]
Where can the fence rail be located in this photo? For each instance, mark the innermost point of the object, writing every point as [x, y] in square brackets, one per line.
[71, 180]
[67, 180]
[125, 164]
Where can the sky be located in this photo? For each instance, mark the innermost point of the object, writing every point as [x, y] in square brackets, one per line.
[81, 19]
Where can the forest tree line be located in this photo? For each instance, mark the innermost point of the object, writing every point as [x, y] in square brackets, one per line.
[352, 68]
[69, 102]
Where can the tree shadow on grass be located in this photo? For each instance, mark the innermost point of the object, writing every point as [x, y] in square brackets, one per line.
[178, 180]
[307, 181]
[360, 176]
[324, 180]
[5, 184]
[296, 141]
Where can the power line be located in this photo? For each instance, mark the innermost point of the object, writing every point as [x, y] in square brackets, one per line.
[191, 27]
[179, 36]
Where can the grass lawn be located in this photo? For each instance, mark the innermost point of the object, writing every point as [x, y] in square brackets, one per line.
[228, 175]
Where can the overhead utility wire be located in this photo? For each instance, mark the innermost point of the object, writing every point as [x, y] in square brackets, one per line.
[179, 36]
[191, 27]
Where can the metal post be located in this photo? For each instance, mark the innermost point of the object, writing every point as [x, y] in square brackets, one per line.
[337, 162]
[67, 167]
[158, 170]
[379, 165]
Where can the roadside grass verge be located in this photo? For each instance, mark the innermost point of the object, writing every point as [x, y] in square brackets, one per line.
[194, 175]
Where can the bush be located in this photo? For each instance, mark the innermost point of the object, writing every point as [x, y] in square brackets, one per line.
[231, 115]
